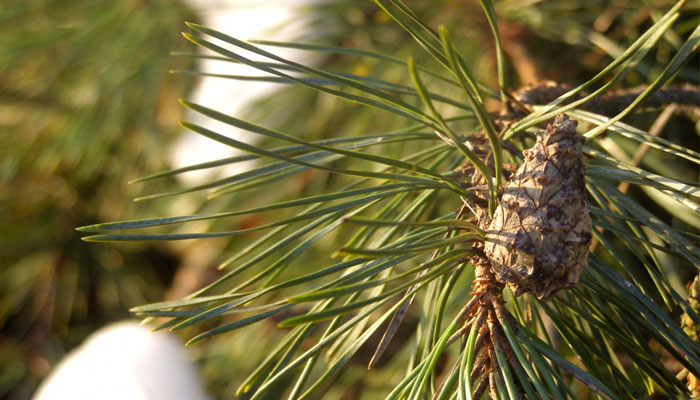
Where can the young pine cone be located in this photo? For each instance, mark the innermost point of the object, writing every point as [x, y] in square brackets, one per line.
[538, 239]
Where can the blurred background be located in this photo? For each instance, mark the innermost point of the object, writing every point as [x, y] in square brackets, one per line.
[87, 104]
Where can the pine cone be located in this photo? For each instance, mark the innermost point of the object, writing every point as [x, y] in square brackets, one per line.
[692, 329]
[538, 239]
[687, 323]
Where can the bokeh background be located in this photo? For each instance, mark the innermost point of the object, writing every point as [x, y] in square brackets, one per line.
[87, 104]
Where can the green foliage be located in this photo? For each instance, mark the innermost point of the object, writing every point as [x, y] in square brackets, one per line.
[85, 101]
[374, 233]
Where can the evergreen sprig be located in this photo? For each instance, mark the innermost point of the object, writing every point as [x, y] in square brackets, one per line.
[395, 208]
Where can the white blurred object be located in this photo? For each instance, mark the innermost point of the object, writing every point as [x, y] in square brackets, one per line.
[124, 361]
[251, 19]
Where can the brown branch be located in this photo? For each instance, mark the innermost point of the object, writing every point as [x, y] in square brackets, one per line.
[613, 102]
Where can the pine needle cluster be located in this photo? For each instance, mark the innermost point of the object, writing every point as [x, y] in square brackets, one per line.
[383, 228]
